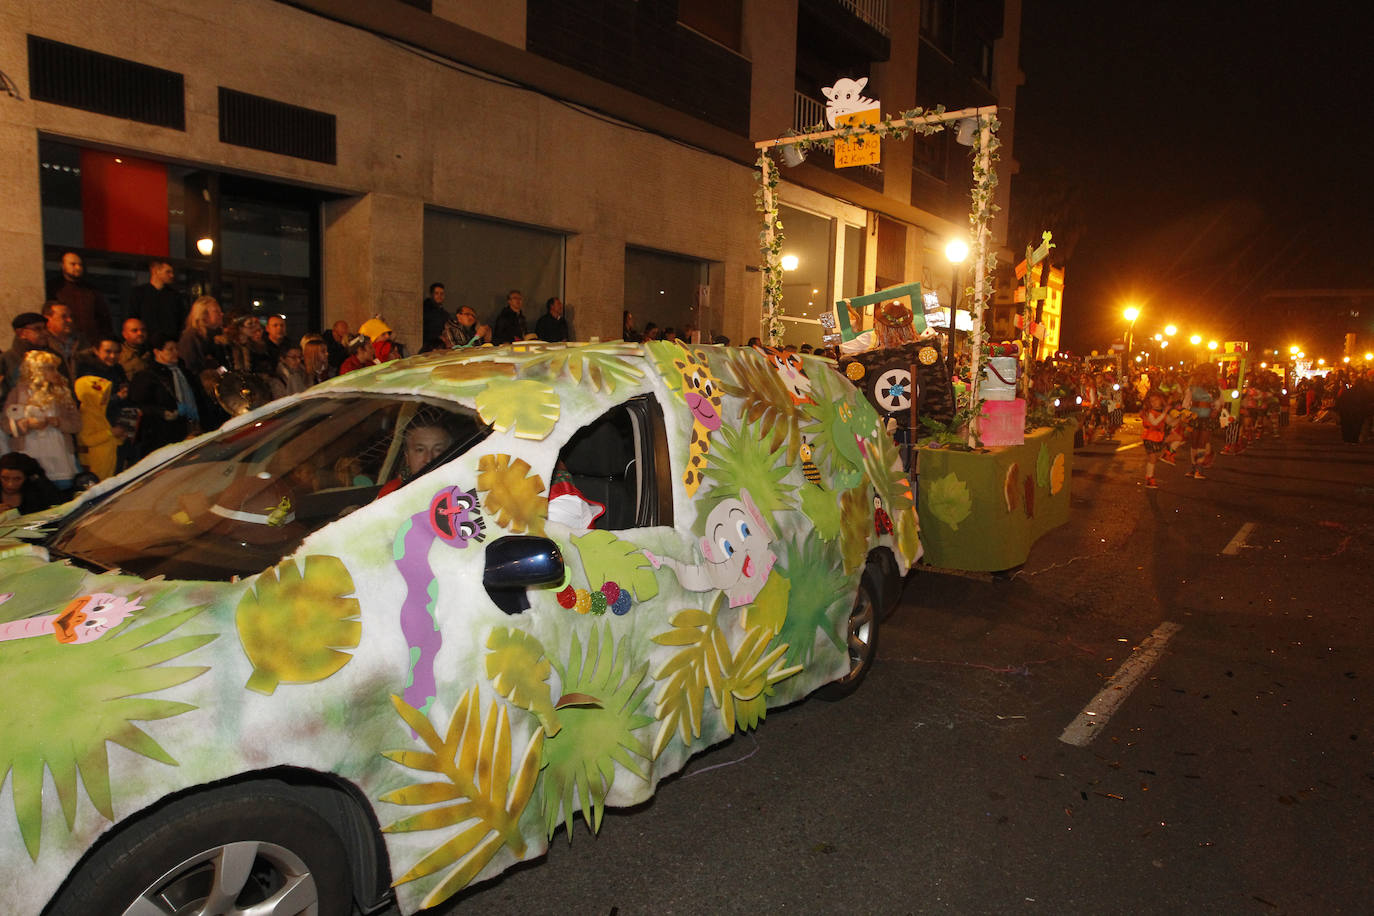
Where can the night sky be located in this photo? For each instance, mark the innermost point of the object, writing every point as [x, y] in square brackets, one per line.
[1191, 156]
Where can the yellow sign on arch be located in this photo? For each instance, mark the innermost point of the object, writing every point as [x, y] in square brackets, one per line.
[858, 150]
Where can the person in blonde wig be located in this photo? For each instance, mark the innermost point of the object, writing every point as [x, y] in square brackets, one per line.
[41, 416]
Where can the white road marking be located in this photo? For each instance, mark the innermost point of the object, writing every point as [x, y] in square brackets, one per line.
[1236, 543]
[1085, 726]
[1122, 448]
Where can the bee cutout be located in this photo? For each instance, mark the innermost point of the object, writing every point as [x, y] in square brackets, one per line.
[809, 469]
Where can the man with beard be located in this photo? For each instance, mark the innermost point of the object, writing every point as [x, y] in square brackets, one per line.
[89, 311]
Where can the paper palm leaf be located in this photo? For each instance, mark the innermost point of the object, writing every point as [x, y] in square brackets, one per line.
[686, 676]
[603, 367]
[765, 400]
[88, 696]
[478, 786]
[598, 731]
[811, 569]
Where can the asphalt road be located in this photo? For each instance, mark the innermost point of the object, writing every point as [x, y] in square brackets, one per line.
[1237, 777]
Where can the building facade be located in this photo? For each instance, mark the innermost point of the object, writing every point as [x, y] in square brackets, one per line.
[329, 159]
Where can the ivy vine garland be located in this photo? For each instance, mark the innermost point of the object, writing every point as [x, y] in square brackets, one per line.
[912, 121]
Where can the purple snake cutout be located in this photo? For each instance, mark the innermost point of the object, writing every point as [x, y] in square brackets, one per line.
[452, 518]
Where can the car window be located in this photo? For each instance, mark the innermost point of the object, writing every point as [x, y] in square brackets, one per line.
[242, 500]
[614, 472]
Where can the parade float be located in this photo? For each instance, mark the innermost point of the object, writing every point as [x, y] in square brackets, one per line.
[987, 488]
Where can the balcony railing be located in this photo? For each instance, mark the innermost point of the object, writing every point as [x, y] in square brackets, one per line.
[873, 12]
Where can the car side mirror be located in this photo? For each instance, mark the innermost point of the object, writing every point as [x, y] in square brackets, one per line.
[517, 562]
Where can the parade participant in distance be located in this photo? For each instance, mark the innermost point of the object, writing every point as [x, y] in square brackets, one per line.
[1153, 420]
[1202, 398]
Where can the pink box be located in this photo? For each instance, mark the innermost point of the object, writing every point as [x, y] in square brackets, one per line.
[1003, 422]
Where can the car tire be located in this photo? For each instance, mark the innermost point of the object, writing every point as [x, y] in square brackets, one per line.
[262, 843]
[861, 638]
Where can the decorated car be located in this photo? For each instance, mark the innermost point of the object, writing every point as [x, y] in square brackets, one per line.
[387, 636]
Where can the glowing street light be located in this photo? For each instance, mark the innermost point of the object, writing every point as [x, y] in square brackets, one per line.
[1130, 314]
[1159, 337]
[1195, 340]
[1211, 344]
[1171, 330]
[1368, 357]
[1294, 349]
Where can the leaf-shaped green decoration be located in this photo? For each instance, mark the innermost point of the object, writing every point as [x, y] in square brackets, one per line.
[813, 604]
[468, 378]
[1042, 467]
[293, 628]
[823, 508]
[768, 610]
[476, 764]
[856, 527]
[87, 696]
[837, 417]
[685, 676]
[750, 672]
[765, 400]
[581, 758]
[908, 536]
[519, 670]
[36, 587]
[528, 407]
[603, 367]
[949, 500]
[740, 460]
[606, 558]
[511, 496]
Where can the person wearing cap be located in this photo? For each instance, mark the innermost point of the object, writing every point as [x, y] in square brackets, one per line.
[29, 328]
[379, 332]
[360, 353]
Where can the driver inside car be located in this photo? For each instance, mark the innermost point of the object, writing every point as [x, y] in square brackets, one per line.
[426, 439]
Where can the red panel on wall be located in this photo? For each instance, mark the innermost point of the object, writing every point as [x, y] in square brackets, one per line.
[124, 203]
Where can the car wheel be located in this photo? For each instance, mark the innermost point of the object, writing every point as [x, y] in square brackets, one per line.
[861, 638]
[257, 847]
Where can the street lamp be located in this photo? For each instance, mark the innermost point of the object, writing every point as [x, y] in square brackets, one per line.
[1130, 314]
[1294, 349]
[955, 251]
[1195, 340]
[1170, 329]
[1211, 344]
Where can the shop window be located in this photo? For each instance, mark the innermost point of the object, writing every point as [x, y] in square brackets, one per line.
[480, 260]
[669, 291]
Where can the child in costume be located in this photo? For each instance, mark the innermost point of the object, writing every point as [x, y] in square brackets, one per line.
[1154, 416]
[98, 441]
[1202, 398]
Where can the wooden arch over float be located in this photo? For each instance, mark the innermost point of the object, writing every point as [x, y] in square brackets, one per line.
[985, 145]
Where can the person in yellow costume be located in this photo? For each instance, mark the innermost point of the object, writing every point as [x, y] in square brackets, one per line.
[98, 442]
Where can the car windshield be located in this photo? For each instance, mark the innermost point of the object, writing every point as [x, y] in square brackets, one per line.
[240, 501]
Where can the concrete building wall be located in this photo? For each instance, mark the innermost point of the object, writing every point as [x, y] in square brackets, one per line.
[411, 132]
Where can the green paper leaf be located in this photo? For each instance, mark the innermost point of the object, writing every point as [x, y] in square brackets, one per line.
[949, 500]
[1042, 467]
[527, 407]
[606, 558]
[823, 508]
[519, 671]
